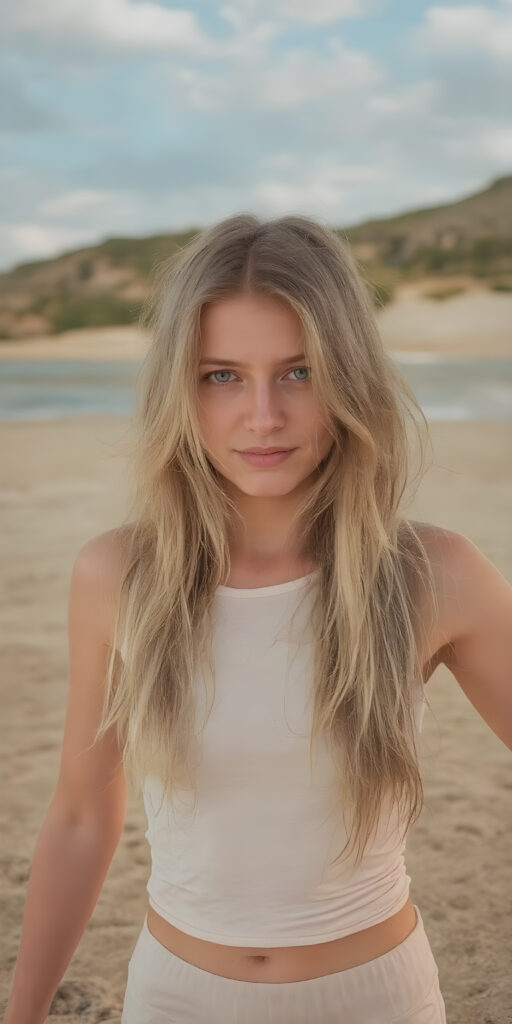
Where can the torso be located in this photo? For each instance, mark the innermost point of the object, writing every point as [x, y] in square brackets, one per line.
[286, 963]
[294, 963]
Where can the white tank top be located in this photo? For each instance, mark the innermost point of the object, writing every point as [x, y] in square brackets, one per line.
[251, 866]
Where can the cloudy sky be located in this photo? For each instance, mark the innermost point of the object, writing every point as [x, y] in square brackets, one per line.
[133, 117]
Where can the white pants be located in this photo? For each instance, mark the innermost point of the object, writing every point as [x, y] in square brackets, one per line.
[399, 987]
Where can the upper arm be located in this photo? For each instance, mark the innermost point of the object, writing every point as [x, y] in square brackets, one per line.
[477, 619]
[91, 785]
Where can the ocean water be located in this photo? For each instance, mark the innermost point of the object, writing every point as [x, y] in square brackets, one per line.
[446, 388]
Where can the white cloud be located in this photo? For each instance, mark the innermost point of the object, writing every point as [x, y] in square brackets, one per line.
[497, 143]
[89, 215]
[493, 144]
[300, 76]
[78, 201]
[416, 99]
[30, 239]
[145, 26]
[303, 76]
[199, 90]
[321, 12]
[473, 27]
[322, 188]
[118, 24]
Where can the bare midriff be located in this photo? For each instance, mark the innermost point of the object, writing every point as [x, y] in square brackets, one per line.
[285, 963]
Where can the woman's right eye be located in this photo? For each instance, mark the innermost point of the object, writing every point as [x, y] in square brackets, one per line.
[211, 374]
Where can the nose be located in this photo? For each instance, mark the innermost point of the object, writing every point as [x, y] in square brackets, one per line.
[265, 409]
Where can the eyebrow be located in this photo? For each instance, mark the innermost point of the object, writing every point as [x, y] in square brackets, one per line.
[243, 366]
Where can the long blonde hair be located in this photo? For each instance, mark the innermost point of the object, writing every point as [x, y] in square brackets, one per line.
[373, 564]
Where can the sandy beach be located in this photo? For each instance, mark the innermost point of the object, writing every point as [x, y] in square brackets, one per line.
[60, 485]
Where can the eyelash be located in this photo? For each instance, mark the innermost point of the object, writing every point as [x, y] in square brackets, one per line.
[222, 383]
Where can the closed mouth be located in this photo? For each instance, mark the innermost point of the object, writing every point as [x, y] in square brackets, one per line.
[265, 451]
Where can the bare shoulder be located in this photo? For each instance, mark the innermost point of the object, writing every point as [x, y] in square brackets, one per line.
[476, 602]
[104, 554]
[438, 540]
[98, 571]
[450, 555]
[470, 589]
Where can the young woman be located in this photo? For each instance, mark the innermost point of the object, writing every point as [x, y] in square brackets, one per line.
[252, 646]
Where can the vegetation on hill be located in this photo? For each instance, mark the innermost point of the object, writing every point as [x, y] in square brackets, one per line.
[107, 283]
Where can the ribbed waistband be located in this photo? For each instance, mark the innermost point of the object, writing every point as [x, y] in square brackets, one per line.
[379, 990]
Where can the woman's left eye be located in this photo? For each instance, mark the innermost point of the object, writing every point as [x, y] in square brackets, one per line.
[295, 369]
[301, 368]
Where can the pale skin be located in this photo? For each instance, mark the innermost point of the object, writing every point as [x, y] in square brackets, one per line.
[262, 404]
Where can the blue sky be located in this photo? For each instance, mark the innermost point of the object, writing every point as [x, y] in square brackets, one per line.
[131, 117]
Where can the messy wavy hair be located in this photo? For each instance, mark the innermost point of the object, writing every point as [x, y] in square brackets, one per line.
[374, 573]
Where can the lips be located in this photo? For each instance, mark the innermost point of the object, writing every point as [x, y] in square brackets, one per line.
[263, 451]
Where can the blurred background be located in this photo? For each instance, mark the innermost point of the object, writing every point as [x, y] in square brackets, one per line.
[127, 126]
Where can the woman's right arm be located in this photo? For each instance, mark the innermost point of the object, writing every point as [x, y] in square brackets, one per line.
[85, 817]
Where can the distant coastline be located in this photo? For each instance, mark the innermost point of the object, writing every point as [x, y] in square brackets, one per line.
[476, 322]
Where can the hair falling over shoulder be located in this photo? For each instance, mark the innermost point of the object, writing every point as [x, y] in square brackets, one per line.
[375, 574]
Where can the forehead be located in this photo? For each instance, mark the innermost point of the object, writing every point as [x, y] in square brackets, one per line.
[249, 317]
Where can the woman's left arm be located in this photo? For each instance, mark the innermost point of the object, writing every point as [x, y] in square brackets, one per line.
[479, 631]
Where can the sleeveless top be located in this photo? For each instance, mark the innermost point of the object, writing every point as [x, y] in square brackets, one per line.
[251, 865]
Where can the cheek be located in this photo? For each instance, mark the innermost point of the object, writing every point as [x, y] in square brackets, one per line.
[213, 424]
[321, 437]
[323, 426]
[316, 421]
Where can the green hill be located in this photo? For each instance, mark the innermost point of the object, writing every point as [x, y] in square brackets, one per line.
[107, 283]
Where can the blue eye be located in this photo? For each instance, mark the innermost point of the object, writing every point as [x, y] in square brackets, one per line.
[220, 382]
[208, 375]
[301, 368]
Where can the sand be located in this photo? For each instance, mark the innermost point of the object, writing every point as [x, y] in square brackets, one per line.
[60, 485]
[474, 323]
